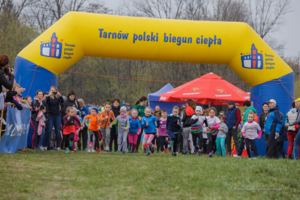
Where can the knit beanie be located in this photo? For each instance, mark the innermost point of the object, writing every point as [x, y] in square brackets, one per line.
[198, 108]
[123, 108]
[95, 109]
[230, 102]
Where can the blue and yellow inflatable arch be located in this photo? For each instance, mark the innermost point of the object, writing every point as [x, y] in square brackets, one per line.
[84, 34]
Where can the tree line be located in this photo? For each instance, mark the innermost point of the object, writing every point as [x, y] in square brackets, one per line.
[21, 21]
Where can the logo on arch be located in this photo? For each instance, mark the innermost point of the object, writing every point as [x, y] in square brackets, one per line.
[252, 60]
[52, 49]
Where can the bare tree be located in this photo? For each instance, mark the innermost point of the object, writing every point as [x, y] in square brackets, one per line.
[46, 12]
[267, 16]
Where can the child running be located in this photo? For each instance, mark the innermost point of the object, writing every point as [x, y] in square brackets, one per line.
[220, 141]
[134, 130]
[197, 127]
[148, 123]
[69, 128]
[213, 124]
[162, 132]
[249, 132]
[106, 116]
[93, 129]
[173, 128]
[124, 125]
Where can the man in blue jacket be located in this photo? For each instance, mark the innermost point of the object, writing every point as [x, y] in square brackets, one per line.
[272, 129]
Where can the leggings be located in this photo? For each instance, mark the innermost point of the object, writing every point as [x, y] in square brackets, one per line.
[122, 137]
[132, 138]
[68, 138]
[252, 142]
[163, 142]
[95, 141]
[209, 138]
[139, 139]
[83, 135]
[194, 137]
[147, 141]
[185, 132]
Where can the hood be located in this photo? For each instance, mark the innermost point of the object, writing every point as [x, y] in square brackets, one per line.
[293, 110]
[189, 111]
[71, 93]
[273, 109]
[252, 108]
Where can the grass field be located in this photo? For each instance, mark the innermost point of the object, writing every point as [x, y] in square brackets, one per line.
[82, 175]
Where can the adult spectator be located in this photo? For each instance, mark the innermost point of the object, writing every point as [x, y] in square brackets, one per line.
[262, 120]
[53, 101]
[140, 105]
[156, 110]
[114, 130]
[232, 120]
[205, 110]
[70, 102]
[272, 128]
[4, 69]
[186, 130]
[248, 108]
[128, 106]
[295, 137]
[82, 133]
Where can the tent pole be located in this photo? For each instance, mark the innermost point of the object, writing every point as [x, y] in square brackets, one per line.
[209, 105]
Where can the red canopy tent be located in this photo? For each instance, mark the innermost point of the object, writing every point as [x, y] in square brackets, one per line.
[206, 89]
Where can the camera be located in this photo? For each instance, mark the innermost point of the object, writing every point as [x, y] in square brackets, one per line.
[42, 107]
[55, 93]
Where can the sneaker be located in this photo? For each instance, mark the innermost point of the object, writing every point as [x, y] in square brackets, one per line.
[99, 150]
[200, 153]
[45, 148]
[148, 154]
[117, 151]
[52, 149]
[41, 148]
[124, 152]
[169, 149]
[93, 150]
[237, 156]
[132, 153]
[144, 151]
[78, 150]
[83, 149]
[211, 154]
[91, 144]
[73, 151]
[136, 151]
[89, 150]
[152, 149]
[184, 152]
[129, 148]
[254, 157]
[71, 143]
[166, 151]
[58, 149]
[67, 150]
[249, 158]
[174, 154]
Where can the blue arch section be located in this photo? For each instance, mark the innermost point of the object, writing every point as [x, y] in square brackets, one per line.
[33, 77]
[282, 90]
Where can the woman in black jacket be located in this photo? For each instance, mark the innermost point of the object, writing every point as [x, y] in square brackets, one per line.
[113, 131]
[70, 102]
[7, 83]
[54, 101]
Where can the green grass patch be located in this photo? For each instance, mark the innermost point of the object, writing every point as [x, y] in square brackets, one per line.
[83, 175]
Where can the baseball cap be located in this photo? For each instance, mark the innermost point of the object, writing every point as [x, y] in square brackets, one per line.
[272, 101]
[123, 108]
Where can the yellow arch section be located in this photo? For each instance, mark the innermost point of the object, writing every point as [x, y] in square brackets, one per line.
[84, 34]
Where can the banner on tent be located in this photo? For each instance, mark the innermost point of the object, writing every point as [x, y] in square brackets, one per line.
[17, 128]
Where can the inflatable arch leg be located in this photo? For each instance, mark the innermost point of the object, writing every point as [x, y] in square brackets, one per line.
[85, 34]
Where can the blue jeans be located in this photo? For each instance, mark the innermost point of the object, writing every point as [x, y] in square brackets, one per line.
[296, 146]
[42, 143]
[54, 120]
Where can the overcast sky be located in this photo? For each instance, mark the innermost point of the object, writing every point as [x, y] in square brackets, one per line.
[289, 33]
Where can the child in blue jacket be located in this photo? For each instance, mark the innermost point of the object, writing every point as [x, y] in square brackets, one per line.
[150, 124]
